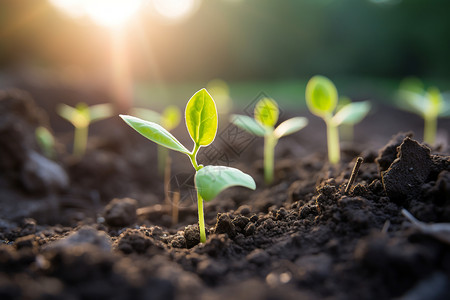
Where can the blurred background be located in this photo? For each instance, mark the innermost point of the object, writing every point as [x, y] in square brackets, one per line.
[164, 50]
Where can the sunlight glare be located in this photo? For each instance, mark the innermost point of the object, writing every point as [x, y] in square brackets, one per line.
[176, 9]
[109, 13]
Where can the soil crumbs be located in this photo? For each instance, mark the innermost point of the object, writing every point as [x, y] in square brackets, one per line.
[301, 238]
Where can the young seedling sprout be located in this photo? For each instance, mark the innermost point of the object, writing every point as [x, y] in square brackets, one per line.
[169, 119]
[321, 99]
[266, 116]
[46, 141]
[81, 117]
[429, 104]
[201, 122]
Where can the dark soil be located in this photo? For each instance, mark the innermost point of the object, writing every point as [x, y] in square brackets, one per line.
[100, 228]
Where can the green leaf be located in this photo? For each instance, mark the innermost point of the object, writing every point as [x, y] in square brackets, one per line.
[266, 112]
[171, 117]
[78, 116]
[201, 118]
[155, 133]
[412, 102]
[321, 96]
[248, 124]
[100, 111]
[445, 112]
[211, 180]
[290, 126]
[66, 111]
[352, 113]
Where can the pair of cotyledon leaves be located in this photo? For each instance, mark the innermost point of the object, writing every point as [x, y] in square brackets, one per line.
[425, 103]
[322, 99]
[201, 122]
[266, 116]
[82, 114]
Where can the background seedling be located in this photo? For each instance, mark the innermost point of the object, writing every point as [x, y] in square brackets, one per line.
[321, 99]
[201, 122]
[80, 117]
[46, 141]
[266, 116]
[429, 104]
[169, 119]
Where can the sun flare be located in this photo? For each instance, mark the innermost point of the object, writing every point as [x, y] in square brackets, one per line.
[176, 9]
[109, 13]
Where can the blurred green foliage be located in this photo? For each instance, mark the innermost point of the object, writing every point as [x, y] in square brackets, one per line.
[249, 39]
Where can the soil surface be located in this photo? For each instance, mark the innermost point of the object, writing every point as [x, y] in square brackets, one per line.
[100, 226]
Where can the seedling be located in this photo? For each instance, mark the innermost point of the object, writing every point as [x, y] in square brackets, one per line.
[81, 116]
[321, 99]
[169, 119]
[46, 141]
[201, 122]
[266, 116]
[429, 104]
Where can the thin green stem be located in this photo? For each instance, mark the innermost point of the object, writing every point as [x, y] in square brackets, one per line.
[162, 158]
[201, 218]
[429, 134]
[334, 150]
[80, 141]
[193, 157]
[269, 152]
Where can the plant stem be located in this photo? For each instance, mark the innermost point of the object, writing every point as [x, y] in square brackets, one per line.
[80, 140]
[201, 218]
[430, 128]
[193, 157]
[269, 152]
[334, 151]
[162, 159]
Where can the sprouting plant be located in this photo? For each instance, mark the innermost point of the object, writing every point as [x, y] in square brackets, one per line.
[266, 116]
[201, 122]
[321, 99]
[429, 104]
[46, 141]
[169, 119]
[81, 116]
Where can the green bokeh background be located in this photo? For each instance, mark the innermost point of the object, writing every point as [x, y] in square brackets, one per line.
[365, 46]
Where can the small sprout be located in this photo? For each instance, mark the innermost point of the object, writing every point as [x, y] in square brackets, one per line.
[46, 141]
[321, 99]
[429, 104]
[266, 116]
[201, 122]
[80, 117]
